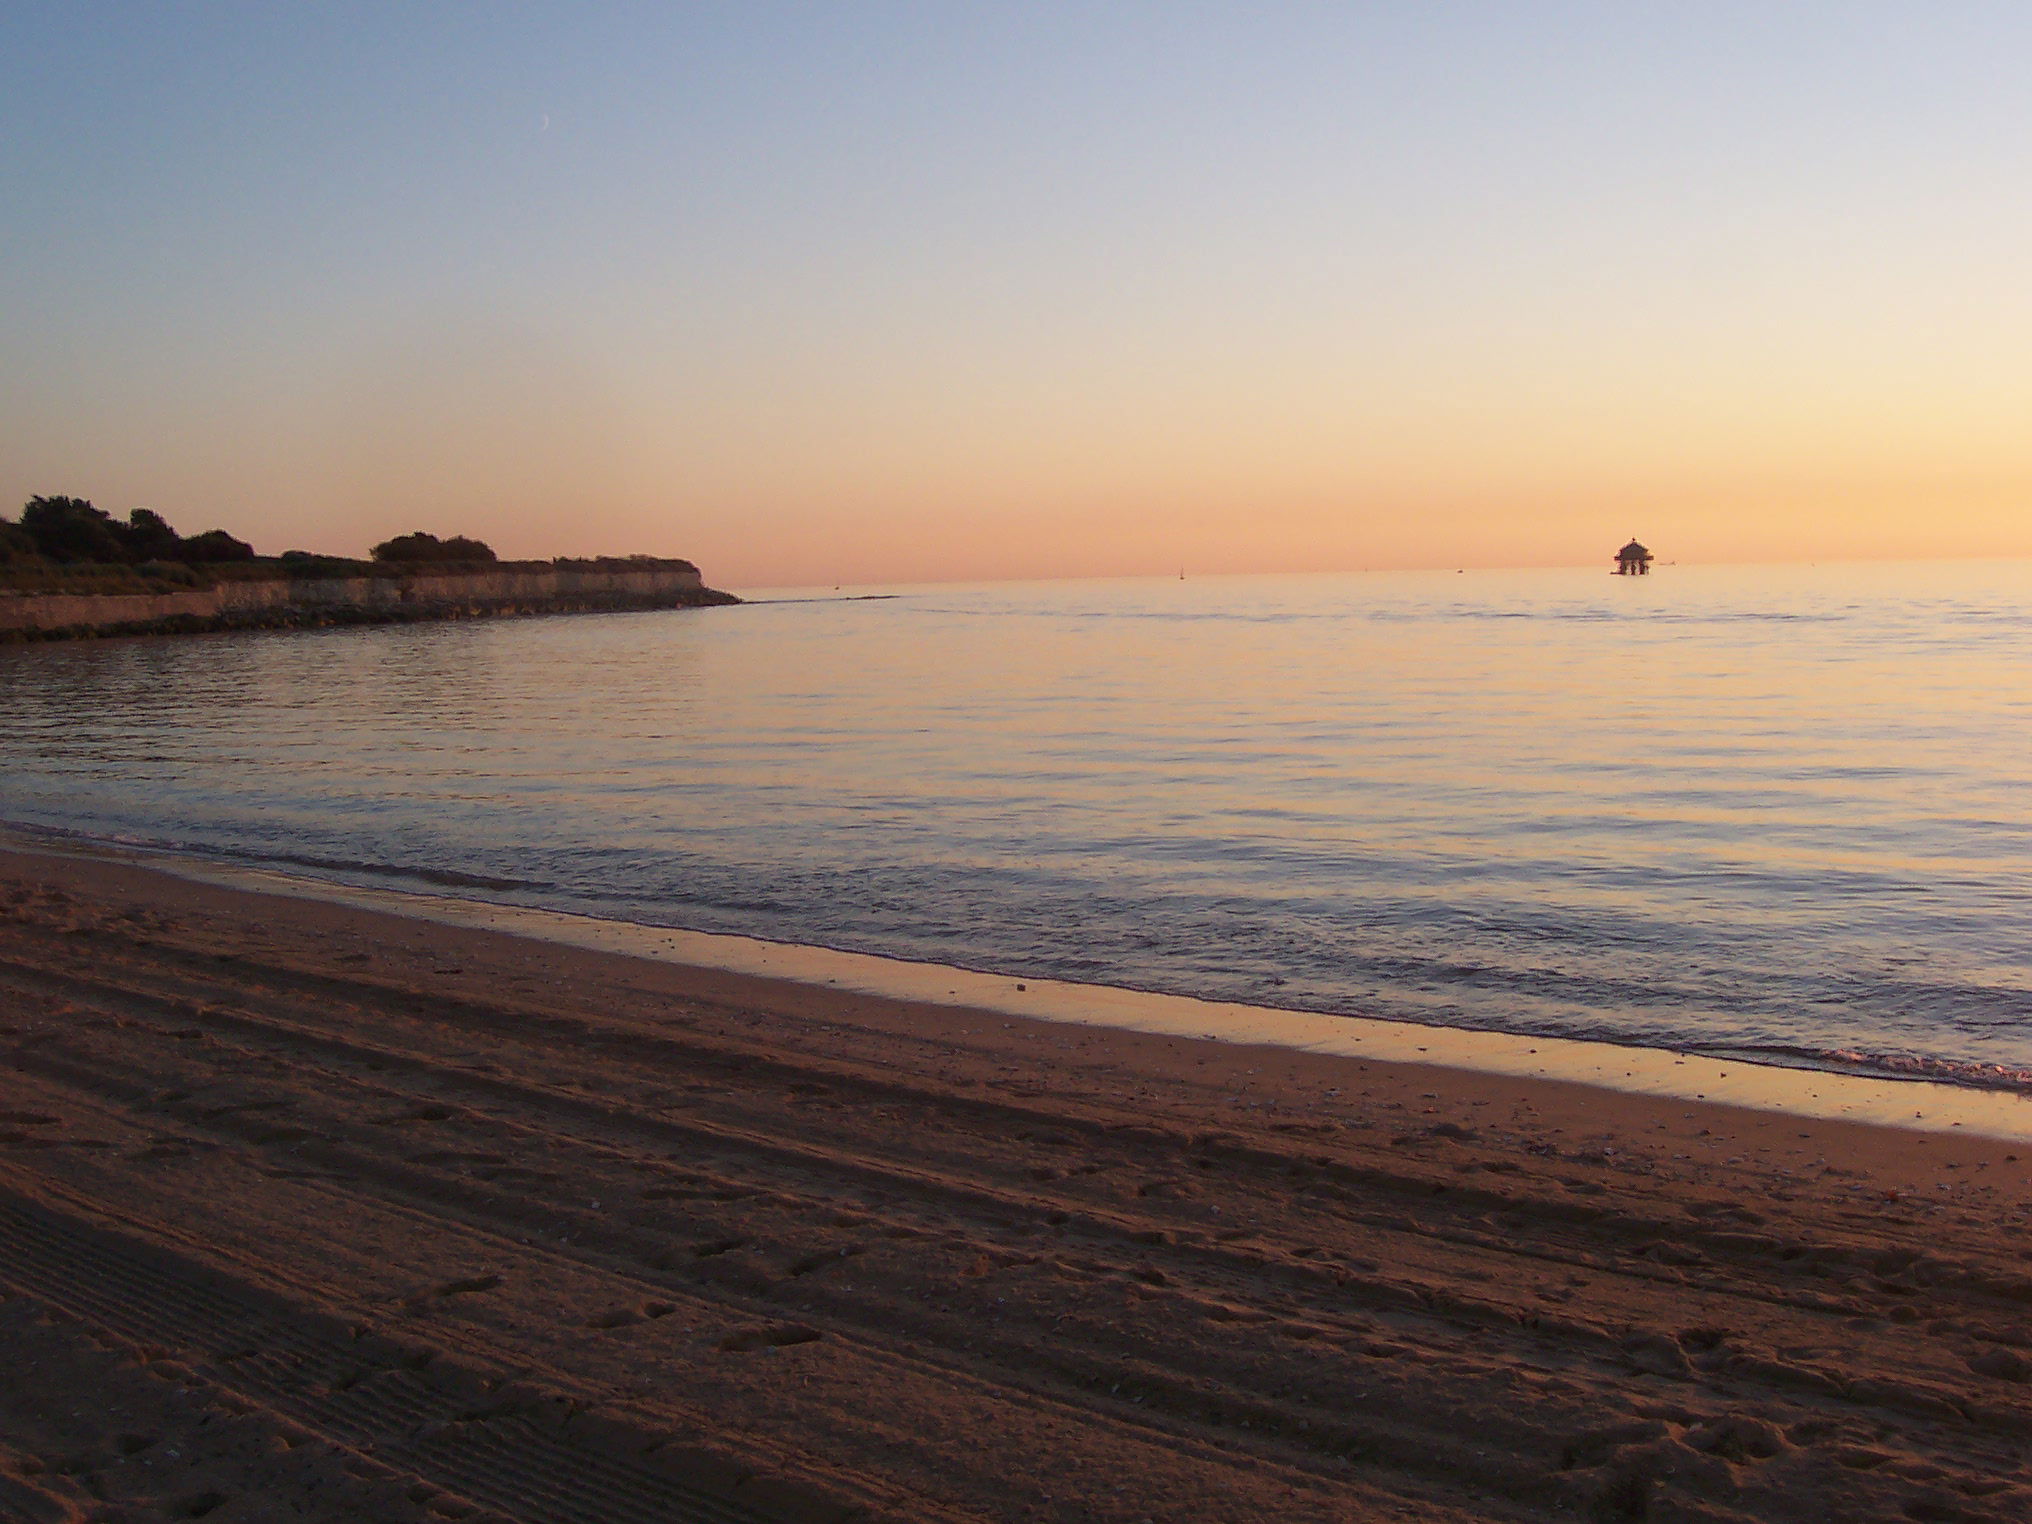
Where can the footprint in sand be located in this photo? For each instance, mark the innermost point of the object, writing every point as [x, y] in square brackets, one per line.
[240, 1108]
[1738, 1438]
[467, 1286]
[668, 1193]
[628, 1317]
[2002, 1365]
[1221, 1312]
[717, 1246]
[774, 1337]
[417, 1114]
[820, 1260]
[453, 1156]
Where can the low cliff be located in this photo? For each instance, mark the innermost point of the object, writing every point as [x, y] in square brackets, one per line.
[294, 602]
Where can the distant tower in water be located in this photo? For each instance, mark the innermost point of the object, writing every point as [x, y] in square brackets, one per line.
[1633, 560]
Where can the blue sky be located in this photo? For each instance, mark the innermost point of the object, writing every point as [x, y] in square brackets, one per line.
[857, 292]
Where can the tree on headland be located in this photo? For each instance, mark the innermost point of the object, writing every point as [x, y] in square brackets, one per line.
[16, 543]
[71, 532]
[70, 529]
[68, 537]
[149, 538]
[214, 545]
[428, 548]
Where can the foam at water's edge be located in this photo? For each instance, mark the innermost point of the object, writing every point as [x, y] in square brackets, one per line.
[1916, 1104]
[427, 885]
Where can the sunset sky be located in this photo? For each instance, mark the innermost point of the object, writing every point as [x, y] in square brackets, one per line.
[866, 292]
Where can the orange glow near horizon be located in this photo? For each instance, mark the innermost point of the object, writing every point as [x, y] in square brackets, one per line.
[1049, 294]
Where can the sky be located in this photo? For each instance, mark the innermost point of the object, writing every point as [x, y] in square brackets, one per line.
[884, 292]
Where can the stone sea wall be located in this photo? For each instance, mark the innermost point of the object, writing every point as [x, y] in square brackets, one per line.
[288, 603]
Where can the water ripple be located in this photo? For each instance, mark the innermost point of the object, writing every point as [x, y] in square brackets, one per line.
[1768, 813]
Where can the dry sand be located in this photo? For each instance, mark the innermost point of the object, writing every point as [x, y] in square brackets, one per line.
[314, 1212]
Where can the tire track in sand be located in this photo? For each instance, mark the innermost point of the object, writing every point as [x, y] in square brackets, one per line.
[1677, 1408]
[409, 1408]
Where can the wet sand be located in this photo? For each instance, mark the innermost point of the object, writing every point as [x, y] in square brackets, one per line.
[312, 1211]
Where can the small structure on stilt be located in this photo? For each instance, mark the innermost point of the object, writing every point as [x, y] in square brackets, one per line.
[1633, 560]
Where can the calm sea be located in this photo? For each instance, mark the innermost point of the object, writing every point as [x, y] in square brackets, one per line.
[1779, 812]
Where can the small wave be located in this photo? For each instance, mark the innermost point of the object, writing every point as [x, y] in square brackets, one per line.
[446, 878]
[636, 905]
[1969, 1073]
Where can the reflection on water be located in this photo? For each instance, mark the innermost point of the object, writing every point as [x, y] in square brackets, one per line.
[1779, 810]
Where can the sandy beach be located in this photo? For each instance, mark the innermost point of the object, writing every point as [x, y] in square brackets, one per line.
[309, 1211]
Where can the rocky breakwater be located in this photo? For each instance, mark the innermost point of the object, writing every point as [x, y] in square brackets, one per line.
[283, 597]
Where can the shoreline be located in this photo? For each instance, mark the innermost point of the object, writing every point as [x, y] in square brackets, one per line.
[373, 594]
[1916, 1103]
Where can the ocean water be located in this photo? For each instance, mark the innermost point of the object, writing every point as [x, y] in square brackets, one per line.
[1779, 813]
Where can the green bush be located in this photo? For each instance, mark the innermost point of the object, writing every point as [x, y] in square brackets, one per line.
[71, 532]
[428, 548]
[17, 545]
[214, 545]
